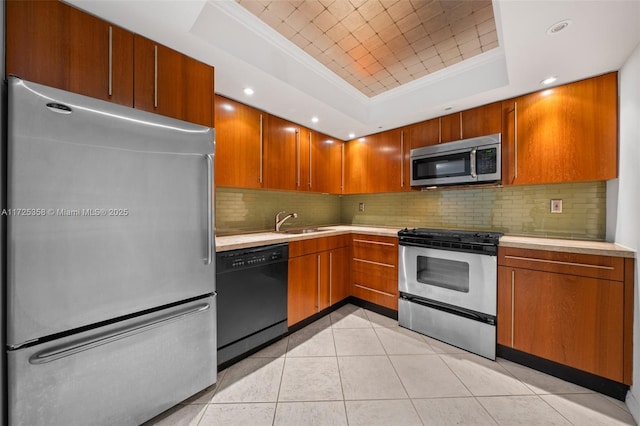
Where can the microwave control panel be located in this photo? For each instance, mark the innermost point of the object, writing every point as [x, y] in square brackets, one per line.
[486, 161]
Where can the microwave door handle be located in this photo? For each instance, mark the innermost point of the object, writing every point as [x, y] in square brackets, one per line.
[472, 160]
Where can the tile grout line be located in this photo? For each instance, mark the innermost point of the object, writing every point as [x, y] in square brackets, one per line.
[284, 364]
[344, 402]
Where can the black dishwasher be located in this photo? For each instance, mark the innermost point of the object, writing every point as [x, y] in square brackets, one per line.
[252, 298]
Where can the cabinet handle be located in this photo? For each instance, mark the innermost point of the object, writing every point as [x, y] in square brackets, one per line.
[342, 168]
[515, 138]
[375, 291]
[318, 281]
[310, 165]
[380, 243]
[461, 136]
[330, 276]
[110, 79]
[402, 159]
[439, 129]
[558, 262]
[513, 298]
[261, 150]
[371, 262]
[298, 157]
[155, 76]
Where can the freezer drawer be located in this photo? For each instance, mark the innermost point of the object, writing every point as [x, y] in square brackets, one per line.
[123, 374]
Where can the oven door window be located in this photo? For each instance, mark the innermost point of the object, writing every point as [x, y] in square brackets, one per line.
[451, 165]
[444, 273]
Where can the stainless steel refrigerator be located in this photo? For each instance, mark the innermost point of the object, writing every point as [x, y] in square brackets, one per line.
[110, 260]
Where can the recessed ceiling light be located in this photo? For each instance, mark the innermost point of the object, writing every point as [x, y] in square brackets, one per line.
[314, 119]
[352, 135]
[549, 80]
[558, 26]
[248, 91]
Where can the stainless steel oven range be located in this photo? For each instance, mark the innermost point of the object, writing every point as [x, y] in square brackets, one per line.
[448, 285]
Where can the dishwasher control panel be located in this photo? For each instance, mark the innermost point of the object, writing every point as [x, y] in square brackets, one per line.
[251, 257]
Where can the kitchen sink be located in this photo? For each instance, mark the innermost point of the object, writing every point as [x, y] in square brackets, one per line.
[304, 230]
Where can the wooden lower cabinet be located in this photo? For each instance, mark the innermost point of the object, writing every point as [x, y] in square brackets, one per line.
[568, 308]
[374, 268]
[318, 275]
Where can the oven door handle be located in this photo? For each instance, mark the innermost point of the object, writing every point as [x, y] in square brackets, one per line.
[455, 310]
[472, 161]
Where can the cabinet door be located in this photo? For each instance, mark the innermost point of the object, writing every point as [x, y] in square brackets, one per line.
[358, 155]
[482, 121]
[51, 43]
[238, 144]
[325, 164]
[567, 133]
[451, 127]
[339, 278]
[374, 164]
[303, 287]
[572, 320]
[172, 84]
[426, 133]
[280, 162]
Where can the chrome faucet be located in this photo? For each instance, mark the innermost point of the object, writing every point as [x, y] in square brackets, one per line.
[279, 221]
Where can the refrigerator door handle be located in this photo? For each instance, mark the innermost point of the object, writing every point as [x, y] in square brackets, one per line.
[209, 257]
[91, 342]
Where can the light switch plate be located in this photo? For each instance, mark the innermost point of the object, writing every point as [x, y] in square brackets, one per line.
[361, 207]
[556, 206]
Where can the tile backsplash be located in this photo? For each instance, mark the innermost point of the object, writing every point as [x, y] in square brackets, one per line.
[253, 210]
[516, 210]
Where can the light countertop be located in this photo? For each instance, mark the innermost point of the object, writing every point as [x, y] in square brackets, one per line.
[233, 242]
[602, 248]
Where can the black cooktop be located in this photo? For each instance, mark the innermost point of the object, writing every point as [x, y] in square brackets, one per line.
[455, 240]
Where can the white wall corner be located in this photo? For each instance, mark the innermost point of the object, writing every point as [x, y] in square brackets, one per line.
[627, 226]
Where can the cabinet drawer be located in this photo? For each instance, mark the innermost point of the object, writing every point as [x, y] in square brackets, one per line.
[382, 250]
[376, 281]
[375, 296]
[315, 245]
[376, 269]
[585, 265]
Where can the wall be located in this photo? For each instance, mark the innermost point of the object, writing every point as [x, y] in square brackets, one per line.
[522, 210]
[627, 225]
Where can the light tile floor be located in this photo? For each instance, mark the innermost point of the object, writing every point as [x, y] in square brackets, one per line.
[356, 367]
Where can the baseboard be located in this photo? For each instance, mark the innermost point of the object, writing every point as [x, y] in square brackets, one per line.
[582, 378]
[633, 405]
[382, 310]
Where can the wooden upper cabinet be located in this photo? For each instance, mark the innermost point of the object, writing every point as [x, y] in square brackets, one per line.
[51, 43]
[281, 154]
[451, 127]
[564, 134]
[425, 133]
[238, 159]
[482, 121]
[325, 164]
[172, 84]
[375, 163]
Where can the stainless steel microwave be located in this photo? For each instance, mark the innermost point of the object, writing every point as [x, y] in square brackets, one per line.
[469, 161]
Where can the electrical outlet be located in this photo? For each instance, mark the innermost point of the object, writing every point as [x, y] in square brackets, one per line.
[360, 207]
[556, 206]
